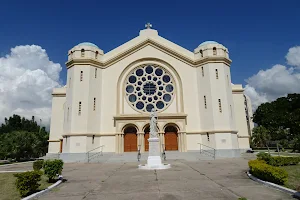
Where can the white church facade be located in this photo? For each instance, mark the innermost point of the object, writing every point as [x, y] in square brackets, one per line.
[108, 98]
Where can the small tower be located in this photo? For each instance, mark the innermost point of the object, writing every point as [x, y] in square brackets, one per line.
[215, 95]
[210, 49]
[85, 50]
[82, 108]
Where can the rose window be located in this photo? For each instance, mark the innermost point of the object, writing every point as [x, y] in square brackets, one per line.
[149, 86]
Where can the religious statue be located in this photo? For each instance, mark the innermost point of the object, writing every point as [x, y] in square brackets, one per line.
[153, 124]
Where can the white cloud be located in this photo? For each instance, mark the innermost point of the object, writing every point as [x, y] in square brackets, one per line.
[26, 81]
[270, 84]
[293, 56]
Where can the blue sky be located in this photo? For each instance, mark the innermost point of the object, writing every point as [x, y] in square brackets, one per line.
[258, 34]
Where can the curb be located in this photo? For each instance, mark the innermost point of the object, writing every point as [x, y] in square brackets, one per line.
[273, 185]
[19, 163]
[35, 195]
[13, 171]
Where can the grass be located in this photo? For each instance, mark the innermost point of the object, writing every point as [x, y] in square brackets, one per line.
[8, 189]
[294, 177]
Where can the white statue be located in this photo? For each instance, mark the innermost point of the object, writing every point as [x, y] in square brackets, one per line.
[153, 124]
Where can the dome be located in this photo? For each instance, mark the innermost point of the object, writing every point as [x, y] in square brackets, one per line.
[208, 42]
[88, 44]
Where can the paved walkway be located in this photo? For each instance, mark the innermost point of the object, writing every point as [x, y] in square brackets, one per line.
[205, 180]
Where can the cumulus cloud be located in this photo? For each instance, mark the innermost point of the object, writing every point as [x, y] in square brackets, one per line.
[293, 56]
[26, 81]
[267, 85]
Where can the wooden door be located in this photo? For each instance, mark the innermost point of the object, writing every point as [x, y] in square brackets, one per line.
[146, 141]
[130, 142]
[171, 143]
[61, 146]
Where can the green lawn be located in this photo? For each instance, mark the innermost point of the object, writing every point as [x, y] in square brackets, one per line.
[8, 189]
[294, 176]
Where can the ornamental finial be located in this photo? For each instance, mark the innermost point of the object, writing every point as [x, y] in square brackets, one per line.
[148, 25]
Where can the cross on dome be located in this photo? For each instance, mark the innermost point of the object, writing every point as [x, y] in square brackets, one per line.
[148, 25]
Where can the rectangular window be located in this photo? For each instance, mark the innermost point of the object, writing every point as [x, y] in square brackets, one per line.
[220, 106]
[217, 74]
[93, 140]
[94, 104]
[202, 71]
[95, 72]
[81, 75]
[205, 106]
[207, 136]
[227, 80]
[79, 108]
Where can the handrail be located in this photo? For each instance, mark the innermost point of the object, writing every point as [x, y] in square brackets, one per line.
[164, 152]
[210, 153]
[96, 153]
[139, 153]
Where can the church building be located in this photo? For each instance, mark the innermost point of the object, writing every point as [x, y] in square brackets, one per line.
[108, 98]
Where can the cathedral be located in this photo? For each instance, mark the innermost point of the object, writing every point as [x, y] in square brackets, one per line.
[108, 98]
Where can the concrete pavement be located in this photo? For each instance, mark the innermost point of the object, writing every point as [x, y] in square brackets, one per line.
[205, 180]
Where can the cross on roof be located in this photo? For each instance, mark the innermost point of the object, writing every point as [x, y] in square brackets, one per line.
[148, 25]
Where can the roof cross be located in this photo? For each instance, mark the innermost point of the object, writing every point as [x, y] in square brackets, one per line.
[148, 25]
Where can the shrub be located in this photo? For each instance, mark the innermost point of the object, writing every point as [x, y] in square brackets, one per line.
[27, 182]
[263, 156]
[38, 164]
[52, 168]
[283, 161]
[262, 170]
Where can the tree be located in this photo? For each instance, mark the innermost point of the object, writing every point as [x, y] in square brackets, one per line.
[261, 137]
[21, 138]
[281, 118]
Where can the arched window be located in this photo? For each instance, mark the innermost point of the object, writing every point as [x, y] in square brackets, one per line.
[94, 104]
[93, 139]
[207, 134]
[71, 53]
[214, 51]
[205, 105]
[82, 52]
[96, 55]
[202, 69]
[201, 53]
[95, 72]
[217, 74]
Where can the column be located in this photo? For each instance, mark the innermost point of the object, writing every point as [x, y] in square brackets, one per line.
[122, 143]
[142, 143]
[179, 142]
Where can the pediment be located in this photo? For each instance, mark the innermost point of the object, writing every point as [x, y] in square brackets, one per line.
[142, 41]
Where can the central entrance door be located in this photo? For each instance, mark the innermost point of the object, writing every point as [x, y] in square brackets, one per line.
[171, 141]
[146, 136]
[130, 139]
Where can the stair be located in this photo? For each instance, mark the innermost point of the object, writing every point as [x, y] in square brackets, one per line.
[132, 157]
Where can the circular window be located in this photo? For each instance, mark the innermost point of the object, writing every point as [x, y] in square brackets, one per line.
[149, 86]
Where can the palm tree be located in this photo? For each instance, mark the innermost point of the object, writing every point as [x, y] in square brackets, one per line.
[261, 137]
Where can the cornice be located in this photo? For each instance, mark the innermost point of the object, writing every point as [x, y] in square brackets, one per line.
[59, 95]
[106, 63]
[145, 116]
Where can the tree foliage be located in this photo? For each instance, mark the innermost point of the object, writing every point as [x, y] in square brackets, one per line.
[282, 119]
[21, 138]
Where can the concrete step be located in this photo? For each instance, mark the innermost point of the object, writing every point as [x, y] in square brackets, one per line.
[132, 157]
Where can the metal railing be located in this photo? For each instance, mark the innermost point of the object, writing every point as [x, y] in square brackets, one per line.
[211, 152]
[139, 153]
[163, 155]
[91, 155]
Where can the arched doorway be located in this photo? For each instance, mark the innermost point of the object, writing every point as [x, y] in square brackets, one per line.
[130, 139]
[171, 141]
[146, 137]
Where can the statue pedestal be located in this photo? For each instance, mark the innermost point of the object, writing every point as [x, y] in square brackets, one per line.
[154, 159]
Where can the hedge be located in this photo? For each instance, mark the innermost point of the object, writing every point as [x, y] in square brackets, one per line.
[27, 182]
[283, 161]
[262, 170]
[38, 164]
[52, 168]
[278, 160]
